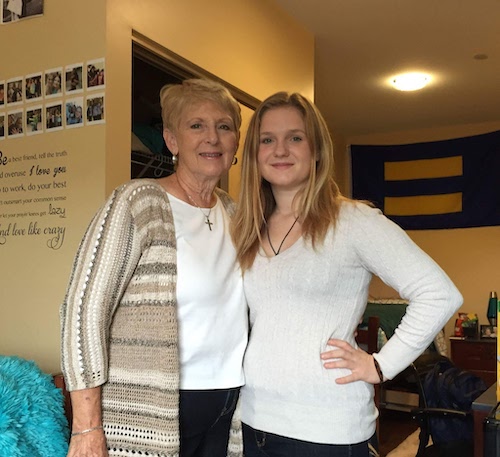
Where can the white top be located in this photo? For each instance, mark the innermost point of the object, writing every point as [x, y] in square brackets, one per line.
[212, 311]
[301, 298]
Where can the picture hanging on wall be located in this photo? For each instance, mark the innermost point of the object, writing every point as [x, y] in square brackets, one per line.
[15, 91]
[95, 74]
[2, 126]
[15, 10]
[34, 121]
[33, 87]
[53, 82]
[34, 102]
[73, 78]
[74, 112]
[95, 109]
[53, 116]
[15, 123]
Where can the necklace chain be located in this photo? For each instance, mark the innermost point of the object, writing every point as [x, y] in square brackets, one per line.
[284, 238]
[206, 216]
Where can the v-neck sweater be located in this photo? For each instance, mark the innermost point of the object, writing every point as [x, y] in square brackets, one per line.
[302, 297]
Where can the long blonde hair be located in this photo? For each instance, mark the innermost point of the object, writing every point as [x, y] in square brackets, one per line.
[317, 203]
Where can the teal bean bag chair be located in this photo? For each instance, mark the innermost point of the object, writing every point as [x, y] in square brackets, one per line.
[32, 420]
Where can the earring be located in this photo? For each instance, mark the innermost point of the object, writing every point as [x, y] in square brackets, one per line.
[175, 159]
[235, 160]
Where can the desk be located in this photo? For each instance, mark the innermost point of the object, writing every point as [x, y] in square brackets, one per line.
[481, 407]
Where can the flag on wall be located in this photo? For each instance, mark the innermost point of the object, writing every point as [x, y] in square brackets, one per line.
[437, 185]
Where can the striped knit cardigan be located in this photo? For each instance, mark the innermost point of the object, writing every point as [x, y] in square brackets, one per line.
[119, 321]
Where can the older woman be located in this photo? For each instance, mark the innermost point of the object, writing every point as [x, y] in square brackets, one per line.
[308, 255]
[154, 321]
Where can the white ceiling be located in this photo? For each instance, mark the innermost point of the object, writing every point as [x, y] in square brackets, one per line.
[360, 44]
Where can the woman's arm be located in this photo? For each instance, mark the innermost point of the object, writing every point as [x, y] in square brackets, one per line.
[388, 252]
[87, 435]
[105, 261]
[385, 250]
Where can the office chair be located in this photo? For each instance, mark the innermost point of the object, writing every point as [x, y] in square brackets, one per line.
[444, 414]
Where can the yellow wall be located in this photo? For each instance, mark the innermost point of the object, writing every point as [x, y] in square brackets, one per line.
[469, 256]
[249, 44]
[232, 41]
[32, 275]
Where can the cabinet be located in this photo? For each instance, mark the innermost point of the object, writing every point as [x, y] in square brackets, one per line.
[476, 355]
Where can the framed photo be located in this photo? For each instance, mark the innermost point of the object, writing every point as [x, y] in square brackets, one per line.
[73, 78]
[2, 126]
[95, 74]
[488, 331]
[74, 112]
[53, 82]
[53, 117]
[14, 11]
[34, 121]
[95, 109]
[15, 123]
[33, 86]
[15, 91]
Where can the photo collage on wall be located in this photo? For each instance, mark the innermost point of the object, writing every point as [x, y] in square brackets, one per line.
[55, 99]
[17, 10]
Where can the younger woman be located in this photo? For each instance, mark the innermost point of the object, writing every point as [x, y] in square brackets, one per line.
[308, 255]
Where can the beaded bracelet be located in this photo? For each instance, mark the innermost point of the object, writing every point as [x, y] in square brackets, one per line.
[83, 432]
[379, 370]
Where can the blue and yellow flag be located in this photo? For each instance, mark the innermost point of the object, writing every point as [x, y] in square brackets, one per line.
[437, 185]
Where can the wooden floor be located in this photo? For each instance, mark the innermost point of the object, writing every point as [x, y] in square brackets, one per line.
[395, 427]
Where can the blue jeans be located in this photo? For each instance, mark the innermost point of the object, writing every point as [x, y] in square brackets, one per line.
[205, 420]
[263, 444]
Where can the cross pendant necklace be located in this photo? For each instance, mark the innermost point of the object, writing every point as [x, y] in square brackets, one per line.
[207, 216]
[207, 220]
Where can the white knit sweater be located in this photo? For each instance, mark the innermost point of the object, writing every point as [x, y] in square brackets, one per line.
[301, 298]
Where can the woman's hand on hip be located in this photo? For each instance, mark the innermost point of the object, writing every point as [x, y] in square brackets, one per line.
[343, 355]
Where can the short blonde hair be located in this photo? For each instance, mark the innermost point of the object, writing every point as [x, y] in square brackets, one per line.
[174, 98]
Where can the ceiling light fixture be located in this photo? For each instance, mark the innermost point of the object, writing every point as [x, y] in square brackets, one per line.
[410, 81]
